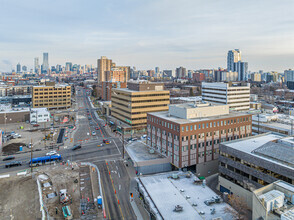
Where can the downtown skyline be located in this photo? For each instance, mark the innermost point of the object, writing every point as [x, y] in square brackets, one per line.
[146, 34]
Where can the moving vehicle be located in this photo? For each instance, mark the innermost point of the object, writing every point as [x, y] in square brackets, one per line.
[99, 145]
[51, 153]
[36, 125]
[44, 160]
[9, 158]
[105, 141]
[76, 147]
[13, 164]
[89, 118]
[97, 128]
[93, 133]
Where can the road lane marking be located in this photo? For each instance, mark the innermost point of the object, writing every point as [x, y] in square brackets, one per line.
[117, 147]
[111, 155]
[104, 198]
[115, 191]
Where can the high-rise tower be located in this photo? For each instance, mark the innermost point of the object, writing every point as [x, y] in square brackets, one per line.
[45, 64]
[103, 64]
[234, 56]
[36, 64]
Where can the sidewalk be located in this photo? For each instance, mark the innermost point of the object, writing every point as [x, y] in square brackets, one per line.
[137, 204]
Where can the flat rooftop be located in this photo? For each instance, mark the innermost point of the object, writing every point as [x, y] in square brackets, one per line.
[130, 90]
[139, 152]
[165, 115]
[164, 193]
[264, 146]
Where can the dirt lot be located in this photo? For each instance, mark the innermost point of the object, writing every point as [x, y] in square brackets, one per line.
[62, 177]
[19, 198]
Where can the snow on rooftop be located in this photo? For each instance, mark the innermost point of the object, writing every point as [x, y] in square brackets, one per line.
[139, 151]
[166, 193]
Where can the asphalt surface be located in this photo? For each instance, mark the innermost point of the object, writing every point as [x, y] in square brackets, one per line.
[107, 157]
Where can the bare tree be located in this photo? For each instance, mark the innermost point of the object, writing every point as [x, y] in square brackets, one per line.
[239, 207]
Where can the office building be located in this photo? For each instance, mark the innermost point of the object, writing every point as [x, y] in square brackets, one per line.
[24, 68]
[222, 75]
[18, 68]
[156, 70]
[234, 56]
[68, 66]
[168, 73]
[256, 77]
[235, 94]
[36, 65]
[126, 69]
[254, 162]
[116, 75]
[103, 64]
[290, 85]
[189, 134]
[107, 89]
[45, 65]
[52, 96]
[131, 105]
[181, 72]
[289, 75]
[242, 69]
[274, 201]
[198, 77]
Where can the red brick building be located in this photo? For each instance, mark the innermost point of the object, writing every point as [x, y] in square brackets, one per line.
[189, 134]
[198, 77]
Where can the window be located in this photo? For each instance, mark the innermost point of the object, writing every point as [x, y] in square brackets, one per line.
[218, 124]
[191, 128]
[187, 128]
[183, 129]
[171, 126]
[199, 126]
[225, 122]
[210, 125]
[195, 127]
[203, 125]
[221, 123]
[214, 124]
[206, 125]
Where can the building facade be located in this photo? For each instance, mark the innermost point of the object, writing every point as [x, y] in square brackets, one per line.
[52, 96]
[189, 134]
[132, 105]
[107, 88]
[236, 95]
[254, 162]
[45, 63]
[103, 64]
[234, 56]
[39, 115]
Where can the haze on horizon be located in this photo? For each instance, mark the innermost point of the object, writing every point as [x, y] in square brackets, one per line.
[166, 33]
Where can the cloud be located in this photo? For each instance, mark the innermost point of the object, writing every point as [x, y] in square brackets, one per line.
[145, 33]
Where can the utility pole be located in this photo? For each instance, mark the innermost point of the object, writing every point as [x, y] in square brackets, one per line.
[31, 156]
[123, 130]
[258, 122]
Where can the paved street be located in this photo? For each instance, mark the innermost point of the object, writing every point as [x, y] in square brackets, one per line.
[107, 157]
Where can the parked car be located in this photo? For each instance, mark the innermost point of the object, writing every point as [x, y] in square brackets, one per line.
[51, 153]
[93, 133]
[9, 158]
[16, 135]
[13, 164]
[76, 147]
[97, 128]
[144, 136]
[134, 139]
[36, 125]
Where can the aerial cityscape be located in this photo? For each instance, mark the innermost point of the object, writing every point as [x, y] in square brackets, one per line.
[147, 110]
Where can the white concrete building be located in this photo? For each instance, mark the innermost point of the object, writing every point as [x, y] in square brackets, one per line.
[236, 95]
[38, 115]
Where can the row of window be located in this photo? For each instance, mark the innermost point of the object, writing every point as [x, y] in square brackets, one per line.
[253, 166]
[197, 126]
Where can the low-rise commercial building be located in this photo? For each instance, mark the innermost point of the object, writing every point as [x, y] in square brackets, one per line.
[254, 162]
[189, 134]
[39, 115]
[274, 201]
[132, 105]
[235, 94]
[52, 96]
[180, 195]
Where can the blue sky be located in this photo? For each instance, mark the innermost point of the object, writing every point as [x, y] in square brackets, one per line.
[165, 33]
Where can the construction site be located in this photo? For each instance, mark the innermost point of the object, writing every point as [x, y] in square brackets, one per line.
[63, 191]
